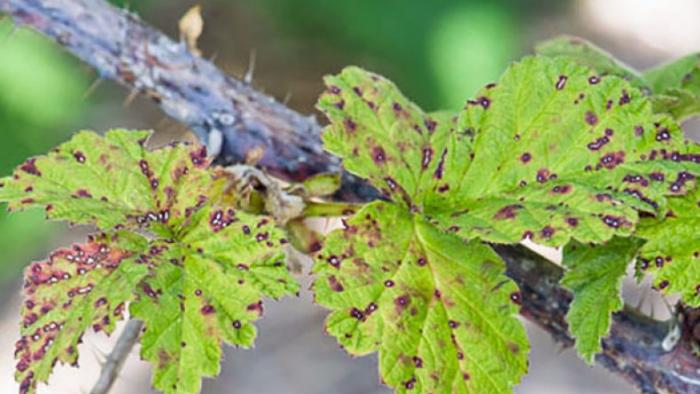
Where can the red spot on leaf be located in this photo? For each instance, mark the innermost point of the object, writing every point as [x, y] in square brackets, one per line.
[591, 118]
[507, 212]
[334, 284]
[378, 155]
[561, 82]
[29, 167]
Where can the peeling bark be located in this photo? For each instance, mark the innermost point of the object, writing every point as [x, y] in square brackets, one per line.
[236, 120]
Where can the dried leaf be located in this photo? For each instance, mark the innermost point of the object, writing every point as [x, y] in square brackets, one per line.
[191, 25]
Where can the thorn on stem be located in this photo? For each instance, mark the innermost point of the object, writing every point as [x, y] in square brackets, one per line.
[248, 77]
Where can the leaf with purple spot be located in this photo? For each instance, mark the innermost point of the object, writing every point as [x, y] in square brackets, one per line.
[671, 254]
[585, 53]
[206, 289]
[196, 282]
[551, 152]
[114, 181]
[384, 137]
[672, 88]
[83, 287]
[438, 310]
[559, 157]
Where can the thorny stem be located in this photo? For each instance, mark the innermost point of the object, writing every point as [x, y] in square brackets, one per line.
[239, 123]
[115, 360]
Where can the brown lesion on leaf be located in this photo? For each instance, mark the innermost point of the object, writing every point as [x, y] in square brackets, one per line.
[513, 347]
[612, 159]
[29, 166]
[441, 164]
[208, 309]
[256, 308]
[615, 221]
[572, 222]
[401, 303]
[349, 125]
[484, 101]
[507, 212]
[378, 155]
[547, 232]
[543, 175]
[678, 186]
[164, 358]
[198, 156]
[334, 284]
[591, 118]
[79, 156]
[427, 157]
[561, 82]
[81, 193]
[561, 189]
[662, 134]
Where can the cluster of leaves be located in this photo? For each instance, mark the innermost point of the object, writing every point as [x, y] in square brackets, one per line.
[569, 148]
[554, 152]
[173, 247]
[666, 246]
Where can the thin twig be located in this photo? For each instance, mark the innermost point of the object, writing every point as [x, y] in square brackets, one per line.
[115, 360]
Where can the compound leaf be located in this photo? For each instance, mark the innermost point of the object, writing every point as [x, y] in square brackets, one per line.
[672, 251]
[206, 289]
[594, 275]
[551, 152]
[197, 282]
[75, 289]
[438, 310]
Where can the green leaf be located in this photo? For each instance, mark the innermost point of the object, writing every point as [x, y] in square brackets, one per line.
[673, 88]
[587, 54]
[553, 151]
[75, 289]
[206, 289]
[672, 251]
[438, 310]
[384, 137]
[196, 282]
[113, 181]
[676, 86]
[594, 275]
[560, 153]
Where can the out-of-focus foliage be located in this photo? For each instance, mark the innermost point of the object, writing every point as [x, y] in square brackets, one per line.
[438, 52]
[40, 89]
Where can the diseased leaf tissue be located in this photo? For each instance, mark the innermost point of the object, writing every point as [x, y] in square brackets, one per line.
[554, 152]
[187, 263]
[551, 152]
